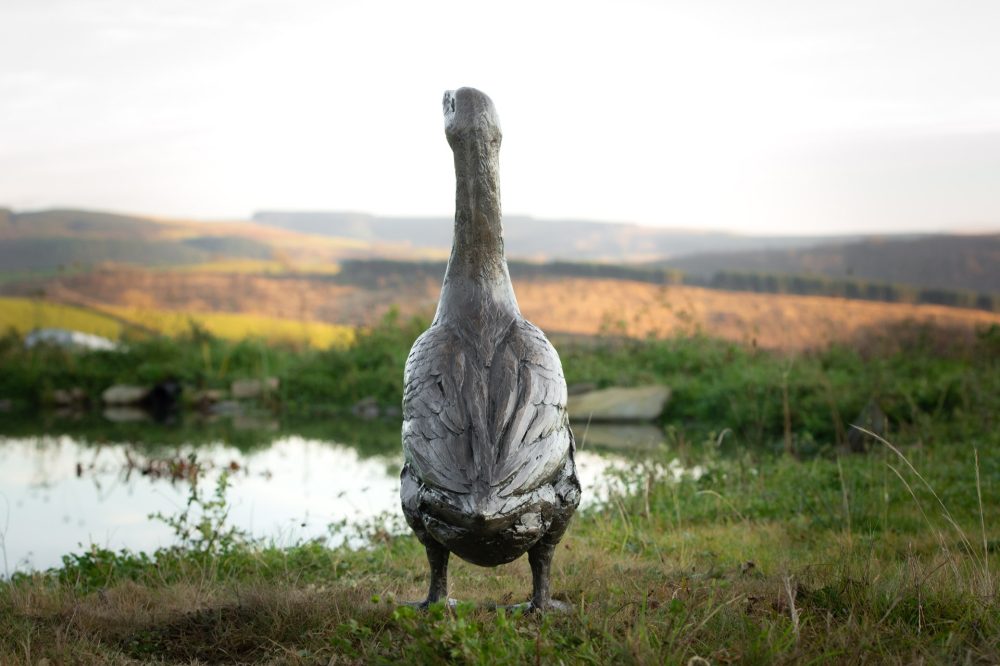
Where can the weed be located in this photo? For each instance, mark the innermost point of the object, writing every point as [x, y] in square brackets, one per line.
[201, 527]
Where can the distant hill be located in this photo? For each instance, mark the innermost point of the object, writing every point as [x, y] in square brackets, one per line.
[42, 242]
[50, 240]
[542, 240]
[76, 224]
[942, 261]
[47, 240]
[46, 254]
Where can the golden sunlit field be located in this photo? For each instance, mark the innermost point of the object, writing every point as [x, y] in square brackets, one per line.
[24, 315]
[290, 296]
[772, 321]
[250, 294]
[236, 326]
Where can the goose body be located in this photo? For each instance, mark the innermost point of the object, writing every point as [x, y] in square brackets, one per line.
[489, 472]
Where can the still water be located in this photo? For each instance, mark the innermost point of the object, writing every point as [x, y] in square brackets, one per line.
[60, 493]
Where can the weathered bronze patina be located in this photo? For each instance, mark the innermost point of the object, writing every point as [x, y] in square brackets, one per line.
[489, 472]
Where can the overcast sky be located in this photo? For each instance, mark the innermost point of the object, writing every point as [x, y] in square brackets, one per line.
[772, 116]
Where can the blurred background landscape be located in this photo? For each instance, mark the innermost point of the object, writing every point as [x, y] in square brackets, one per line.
[313, 277]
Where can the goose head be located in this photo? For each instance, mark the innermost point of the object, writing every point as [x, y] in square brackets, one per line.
[470, 118]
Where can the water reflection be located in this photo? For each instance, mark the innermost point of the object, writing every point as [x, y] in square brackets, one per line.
[58, 494]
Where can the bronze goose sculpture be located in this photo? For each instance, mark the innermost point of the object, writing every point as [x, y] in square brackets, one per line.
[489, 471]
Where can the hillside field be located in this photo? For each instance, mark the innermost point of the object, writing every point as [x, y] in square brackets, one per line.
[218, 296]
[24, 315]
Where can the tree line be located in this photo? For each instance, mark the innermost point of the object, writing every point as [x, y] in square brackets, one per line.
[371, 272]
[847, 288]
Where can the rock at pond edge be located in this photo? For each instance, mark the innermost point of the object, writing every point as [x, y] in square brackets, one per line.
[124, 394]
[641, 403]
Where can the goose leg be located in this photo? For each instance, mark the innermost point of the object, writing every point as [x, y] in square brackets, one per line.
[540, 559]
[437, 557]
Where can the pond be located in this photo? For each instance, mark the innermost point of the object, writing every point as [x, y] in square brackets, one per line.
[67, 484]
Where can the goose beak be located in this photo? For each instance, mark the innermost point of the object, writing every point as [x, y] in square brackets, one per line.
[449, 107]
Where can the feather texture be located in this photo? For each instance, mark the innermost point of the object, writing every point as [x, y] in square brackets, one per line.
[472, 427]
[489, 469]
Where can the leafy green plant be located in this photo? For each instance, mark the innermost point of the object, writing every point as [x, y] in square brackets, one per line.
[201, 527]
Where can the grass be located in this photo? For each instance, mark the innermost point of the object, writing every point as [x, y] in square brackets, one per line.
[312, 379]
[930, 385]
[762, 559]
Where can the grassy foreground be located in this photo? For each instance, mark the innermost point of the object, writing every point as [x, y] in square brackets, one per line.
[757, 560]
[781, 549]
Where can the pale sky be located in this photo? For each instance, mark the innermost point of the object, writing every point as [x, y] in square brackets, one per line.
[772, 116]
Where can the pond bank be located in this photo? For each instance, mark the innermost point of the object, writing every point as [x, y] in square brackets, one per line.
[801, 403]
[758, 560]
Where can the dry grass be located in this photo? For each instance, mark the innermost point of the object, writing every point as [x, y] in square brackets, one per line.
[687, 593]
[575, 306]
[771, 321]
[288, 297]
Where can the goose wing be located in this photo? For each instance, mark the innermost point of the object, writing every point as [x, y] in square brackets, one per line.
[435, 424]
[475, 426]
[529, 422]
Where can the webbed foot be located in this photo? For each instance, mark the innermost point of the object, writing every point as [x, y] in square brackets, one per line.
[426, 603]
[551, 606]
